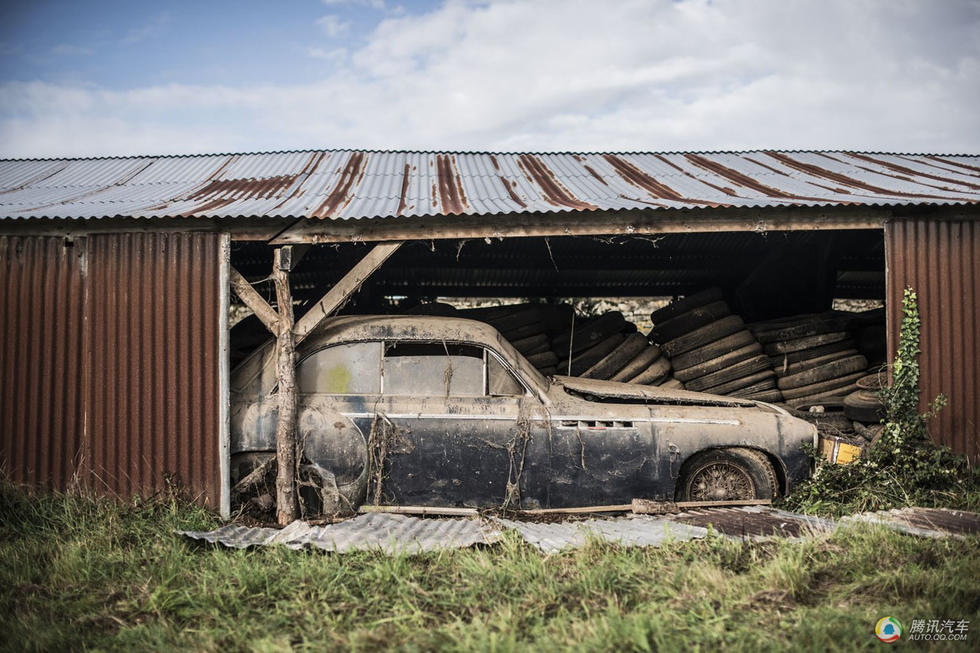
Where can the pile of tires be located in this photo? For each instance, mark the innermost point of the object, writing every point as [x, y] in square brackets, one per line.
[814, 357]
[711, 350]
[608, 347]
[530, 328]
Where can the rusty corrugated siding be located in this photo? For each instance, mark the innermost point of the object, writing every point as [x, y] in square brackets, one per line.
[109, 368]
[41, 363]
[941, 261]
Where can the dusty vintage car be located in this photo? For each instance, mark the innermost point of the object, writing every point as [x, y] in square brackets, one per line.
[433, 411]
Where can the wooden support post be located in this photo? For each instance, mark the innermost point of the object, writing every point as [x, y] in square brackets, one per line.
[343, 289]
[286, 456]
[288, 335]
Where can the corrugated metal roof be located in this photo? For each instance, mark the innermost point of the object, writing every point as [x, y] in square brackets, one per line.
[344, 184]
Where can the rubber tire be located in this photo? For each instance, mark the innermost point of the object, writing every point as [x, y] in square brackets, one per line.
[800, 344]
[832, 423]
[591, 333]
[525, 345]
[823, 386]
[810, 327]
[790, 369]
[670, 383]
[544, 359]
[518, 319]
[864, 406]
[548, 371]
[768, 396]
[835, 395]
[593, 354]
[754, 464]
[685, 304]
[873, 382]
[744, 382]
[703, 336]
[737, 371]
[639, 363]
[719, 363]
[713, 350]
[531, 330]
[832, 370]
[657, 370]
[807, 354]
[687, 322]
[766, 385]
[618, 358]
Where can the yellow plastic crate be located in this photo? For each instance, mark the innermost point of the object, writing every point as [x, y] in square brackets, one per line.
[838, 450]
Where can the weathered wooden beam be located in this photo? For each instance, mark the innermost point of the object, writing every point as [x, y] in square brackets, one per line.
[343, 289]
[286, 455]
[266, 314]
[598, 223]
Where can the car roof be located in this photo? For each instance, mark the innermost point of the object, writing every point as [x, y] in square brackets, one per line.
[404, 327]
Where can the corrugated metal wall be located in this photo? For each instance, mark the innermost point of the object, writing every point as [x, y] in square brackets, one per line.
[941, 261]
[109, 366]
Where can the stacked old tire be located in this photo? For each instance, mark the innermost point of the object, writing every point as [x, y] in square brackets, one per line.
[608, 347]
[814, 357]
[528, 327]
[711, 350]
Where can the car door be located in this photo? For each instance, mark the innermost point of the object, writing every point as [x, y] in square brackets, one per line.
[338, 389]
[459, 429]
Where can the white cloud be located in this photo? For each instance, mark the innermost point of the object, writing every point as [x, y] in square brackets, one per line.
[332, 25]
[569, 75]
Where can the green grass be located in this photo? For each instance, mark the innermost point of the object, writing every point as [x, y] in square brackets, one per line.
[79, 573]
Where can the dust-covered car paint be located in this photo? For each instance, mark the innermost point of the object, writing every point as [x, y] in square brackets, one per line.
[439, 411]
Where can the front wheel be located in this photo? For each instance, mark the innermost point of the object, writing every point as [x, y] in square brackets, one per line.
[734, 474]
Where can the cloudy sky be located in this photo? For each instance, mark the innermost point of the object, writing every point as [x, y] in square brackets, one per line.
[101, 77]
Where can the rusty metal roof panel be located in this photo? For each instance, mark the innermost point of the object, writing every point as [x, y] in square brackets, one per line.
[924, 522]
[345, 184]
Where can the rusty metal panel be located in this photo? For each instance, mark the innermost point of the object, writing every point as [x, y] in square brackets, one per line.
[109, 362]
[941, 261]
[350, 184]
[42, 370]
[153, 396]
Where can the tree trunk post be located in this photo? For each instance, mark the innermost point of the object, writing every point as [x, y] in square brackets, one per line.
[286, 369]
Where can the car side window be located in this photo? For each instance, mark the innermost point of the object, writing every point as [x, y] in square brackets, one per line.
[348, 369]
[500, 382]
[433, 369]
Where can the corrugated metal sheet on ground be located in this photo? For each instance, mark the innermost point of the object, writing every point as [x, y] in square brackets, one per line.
[754, 522]
[376, 531]
[635, 530]
[924, 522]
[394, 533]
[369, 184]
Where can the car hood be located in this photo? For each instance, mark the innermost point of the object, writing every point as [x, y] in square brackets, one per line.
[626, 391]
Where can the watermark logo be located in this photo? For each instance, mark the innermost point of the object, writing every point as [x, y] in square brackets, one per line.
[939, 630]
[888, 629]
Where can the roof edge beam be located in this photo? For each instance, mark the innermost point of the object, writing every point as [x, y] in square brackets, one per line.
[584, 223]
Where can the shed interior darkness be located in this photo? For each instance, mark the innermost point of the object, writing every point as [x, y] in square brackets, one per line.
[763, 275]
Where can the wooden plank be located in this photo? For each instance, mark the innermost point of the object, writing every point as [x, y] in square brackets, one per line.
[421, 510]
[592, 223]
[343, 289]
[266, 314]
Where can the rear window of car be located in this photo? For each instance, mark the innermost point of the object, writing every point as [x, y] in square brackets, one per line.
[433, 369]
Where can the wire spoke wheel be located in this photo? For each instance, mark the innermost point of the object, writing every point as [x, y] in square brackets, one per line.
[720, 481]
